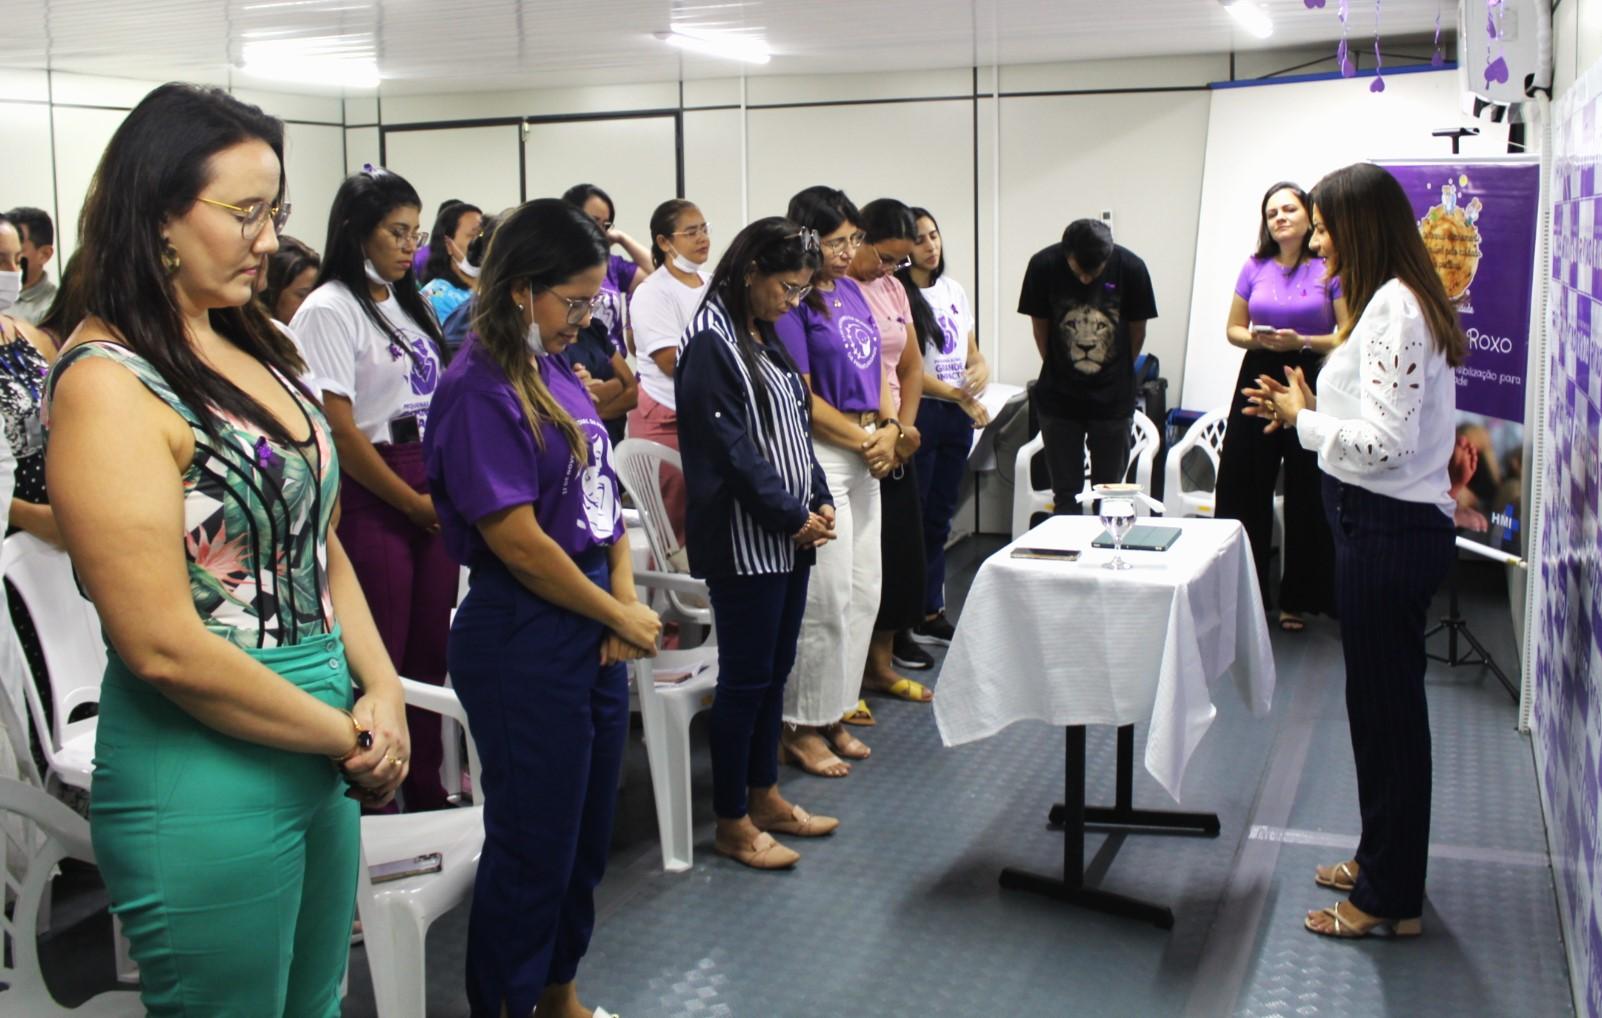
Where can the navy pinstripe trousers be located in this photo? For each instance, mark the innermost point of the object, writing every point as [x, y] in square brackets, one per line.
[1390, 558]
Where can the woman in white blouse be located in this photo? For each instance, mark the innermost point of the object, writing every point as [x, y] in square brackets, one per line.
[1382, 424]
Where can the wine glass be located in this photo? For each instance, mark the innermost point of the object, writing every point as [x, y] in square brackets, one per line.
[1118, 516]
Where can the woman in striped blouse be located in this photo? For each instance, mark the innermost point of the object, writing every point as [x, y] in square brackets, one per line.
[758, 507]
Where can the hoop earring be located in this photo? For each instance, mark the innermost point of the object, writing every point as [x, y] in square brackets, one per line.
[169, 258]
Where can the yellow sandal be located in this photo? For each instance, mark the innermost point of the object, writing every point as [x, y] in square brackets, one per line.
[859, 715]
[908, 689]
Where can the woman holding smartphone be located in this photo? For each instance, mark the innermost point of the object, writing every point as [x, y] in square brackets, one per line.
[1284, 314]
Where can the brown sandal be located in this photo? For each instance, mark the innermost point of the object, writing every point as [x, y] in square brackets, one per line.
[800, 824]
[763, 853]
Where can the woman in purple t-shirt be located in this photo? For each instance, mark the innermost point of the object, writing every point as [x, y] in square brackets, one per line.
[1285, 314]
[521, 472]
[834, 341]
[623, 275]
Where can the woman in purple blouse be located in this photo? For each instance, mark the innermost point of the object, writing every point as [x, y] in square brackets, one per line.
[1285, 314]
[521, 472]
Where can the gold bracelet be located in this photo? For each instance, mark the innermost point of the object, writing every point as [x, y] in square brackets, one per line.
[364, 739]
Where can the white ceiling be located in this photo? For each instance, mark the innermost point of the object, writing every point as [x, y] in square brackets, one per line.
[475, 45]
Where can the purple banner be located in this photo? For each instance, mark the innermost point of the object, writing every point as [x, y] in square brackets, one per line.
[1479, 222]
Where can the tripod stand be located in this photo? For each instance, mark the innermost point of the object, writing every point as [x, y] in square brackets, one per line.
[1456, 626]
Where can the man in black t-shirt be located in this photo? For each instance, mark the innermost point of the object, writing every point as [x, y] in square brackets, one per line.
[1088, 300]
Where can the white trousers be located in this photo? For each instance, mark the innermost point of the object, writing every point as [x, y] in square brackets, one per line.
[842, 597]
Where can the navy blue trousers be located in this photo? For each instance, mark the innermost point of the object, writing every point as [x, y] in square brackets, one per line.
[947, 433]
[550, 724]
[1390, 558]
[758, 620]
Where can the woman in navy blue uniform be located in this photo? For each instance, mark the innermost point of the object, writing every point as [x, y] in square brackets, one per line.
[758, 507]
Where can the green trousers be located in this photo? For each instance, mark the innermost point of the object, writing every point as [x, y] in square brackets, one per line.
[231, 865]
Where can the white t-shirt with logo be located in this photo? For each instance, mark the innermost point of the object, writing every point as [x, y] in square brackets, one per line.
[947, 357]
[661, 310]
[350, 356]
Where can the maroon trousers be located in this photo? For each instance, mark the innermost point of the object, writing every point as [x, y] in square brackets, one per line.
[411, 584]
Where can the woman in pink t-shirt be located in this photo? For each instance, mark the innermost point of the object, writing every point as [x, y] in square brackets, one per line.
[890, 230]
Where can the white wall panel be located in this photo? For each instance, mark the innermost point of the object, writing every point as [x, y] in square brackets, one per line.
[1071, 157]
[920, 153]
[32, 86]
[314, 108]
[361, 147]
[81, 137]
[28, 180]
[632, 160]
[1262, 134]
[313, 160]
[847, 87]
[472, 164]
[1085, 75]
[712, 147]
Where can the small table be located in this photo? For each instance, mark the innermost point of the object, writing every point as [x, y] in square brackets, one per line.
[1095, 657]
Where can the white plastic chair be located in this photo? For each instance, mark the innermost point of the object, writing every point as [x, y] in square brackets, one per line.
[1206, 433]
[639, 464]
[1027, 500]
[666, 710]
[65, 835]
[396, 915]
[74, 654]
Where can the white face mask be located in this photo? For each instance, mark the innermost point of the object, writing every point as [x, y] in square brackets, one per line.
[683, 264]
[372, 273]
[10, 288]
[536, 345]
[467, 269]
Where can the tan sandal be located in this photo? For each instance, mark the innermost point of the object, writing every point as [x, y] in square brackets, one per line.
[846, 744]
[762, 853]
[1340, 877]
[800, 824]
[1344, 928]
[826, 766]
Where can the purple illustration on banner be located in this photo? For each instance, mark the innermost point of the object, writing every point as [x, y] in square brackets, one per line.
[424, 376]
[1479, 221]
[1566, 615]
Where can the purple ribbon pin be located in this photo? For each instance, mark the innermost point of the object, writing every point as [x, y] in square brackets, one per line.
[266, 458]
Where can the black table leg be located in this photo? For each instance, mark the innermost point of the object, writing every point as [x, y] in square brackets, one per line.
[1075, 816]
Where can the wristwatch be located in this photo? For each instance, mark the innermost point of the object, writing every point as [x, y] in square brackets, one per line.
[892, 420]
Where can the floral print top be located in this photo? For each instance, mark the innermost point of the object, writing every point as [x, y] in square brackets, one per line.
[256, 516]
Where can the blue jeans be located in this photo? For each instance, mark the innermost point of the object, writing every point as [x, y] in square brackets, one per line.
[940, 462]
[550, 723]
[758, 620]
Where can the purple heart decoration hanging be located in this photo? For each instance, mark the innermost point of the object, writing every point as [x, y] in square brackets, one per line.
[1343, 52]
[1314, 3]
[1496, 71]
[1378, 84]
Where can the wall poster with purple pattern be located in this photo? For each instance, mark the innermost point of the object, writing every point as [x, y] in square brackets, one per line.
[1566, 618]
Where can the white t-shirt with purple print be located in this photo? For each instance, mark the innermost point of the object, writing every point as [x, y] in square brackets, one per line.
[947, 359]
[350, 356]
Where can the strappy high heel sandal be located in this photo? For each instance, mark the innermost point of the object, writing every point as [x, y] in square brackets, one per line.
[1340, 877]
[1344, 928]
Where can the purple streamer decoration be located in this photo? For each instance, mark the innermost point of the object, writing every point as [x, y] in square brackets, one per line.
[1343, 52]
[1495, 70]
[1378, 84]
[1438, 58]
[1310, 4]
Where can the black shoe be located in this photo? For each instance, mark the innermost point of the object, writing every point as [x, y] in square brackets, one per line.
[906, 654]
[936, 630]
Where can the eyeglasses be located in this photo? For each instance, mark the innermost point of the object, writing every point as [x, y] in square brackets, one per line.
[839, 244]
[254, 216]
[890, 263]
[795, 293]
[580, 308]
[703, 230]
[402, 236]
[604, 224]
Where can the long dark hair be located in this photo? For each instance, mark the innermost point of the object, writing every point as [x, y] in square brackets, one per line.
[360, 204]
[823, 210]
[439, 256]
[67, 308]
[1371, 224]
[541, 243]
[578, 194]
[1267, 246]
[663, 222]
[155, 166]
[765, 248]
[284, 266]
[923, 316]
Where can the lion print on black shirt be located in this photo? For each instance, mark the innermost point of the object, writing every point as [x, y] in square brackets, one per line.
[1089, 334]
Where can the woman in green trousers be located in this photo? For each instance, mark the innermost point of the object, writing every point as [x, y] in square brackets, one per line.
[194, 480]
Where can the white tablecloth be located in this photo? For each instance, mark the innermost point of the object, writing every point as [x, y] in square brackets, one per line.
[1071, 643]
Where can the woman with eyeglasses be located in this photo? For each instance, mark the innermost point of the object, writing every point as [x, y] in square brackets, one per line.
[954, 376]
[834, 340]
[623, 275]
[661, 310]
[887, 248]
[760, 508]
[234, 622]
[374, 347]
[447, 277]
[522, 469]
